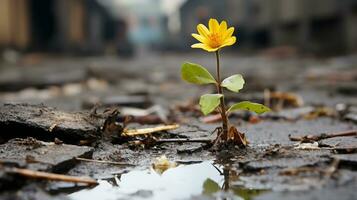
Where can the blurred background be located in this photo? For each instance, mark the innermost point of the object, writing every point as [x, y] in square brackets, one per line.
[74, 53]
[126, 27]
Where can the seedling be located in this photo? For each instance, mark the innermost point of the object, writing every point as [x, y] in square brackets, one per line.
[212, 39]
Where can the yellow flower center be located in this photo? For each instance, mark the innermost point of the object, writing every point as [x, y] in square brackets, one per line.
[215, 40]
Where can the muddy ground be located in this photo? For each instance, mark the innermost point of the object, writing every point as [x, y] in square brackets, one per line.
[55, 112]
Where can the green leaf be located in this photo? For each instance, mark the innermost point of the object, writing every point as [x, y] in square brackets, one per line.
[209, 102]
[194, 73]
[247, 105]
[210, 187]
[233, 83]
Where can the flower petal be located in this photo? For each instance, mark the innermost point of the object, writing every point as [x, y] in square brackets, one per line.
[228, 42]
[199, 37]
[228, 33]
[231, 40]
[202, 30]
[204, 47]
[223, 27]
[213, 25]
[210, 49]
[198, 45]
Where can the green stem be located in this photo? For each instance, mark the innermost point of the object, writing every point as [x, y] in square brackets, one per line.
[224, 135]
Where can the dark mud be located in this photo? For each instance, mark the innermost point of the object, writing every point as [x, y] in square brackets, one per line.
[271, 167]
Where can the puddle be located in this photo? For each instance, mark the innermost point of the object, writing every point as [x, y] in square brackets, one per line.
[181, 182]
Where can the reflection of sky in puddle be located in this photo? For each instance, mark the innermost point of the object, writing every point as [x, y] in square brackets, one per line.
[181, 182]
[176, 183]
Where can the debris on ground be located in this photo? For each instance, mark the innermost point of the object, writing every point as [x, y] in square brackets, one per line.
[161, 164]
[31, 174]
[311, 138]
[73, 125]
[145, 131]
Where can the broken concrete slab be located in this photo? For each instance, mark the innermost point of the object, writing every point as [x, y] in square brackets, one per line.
[305, 178]
[346, 192]
[267, 132]
[289, 158]
[273, 181]
[42, 156]
[46, 123]
[108, 152]
[193, 130]
[30, 192]
[349, 159]
[283, 163]
[9, 181]
[348, 143]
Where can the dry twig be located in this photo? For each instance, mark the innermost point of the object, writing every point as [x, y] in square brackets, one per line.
[101, 161]
[183, 140]
[145, 131]
[51, 176]
[314, 138]
[151, 141]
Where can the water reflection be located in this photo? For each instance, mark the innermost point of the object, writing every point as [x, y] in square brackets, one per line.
[182, 182]
[211, 187]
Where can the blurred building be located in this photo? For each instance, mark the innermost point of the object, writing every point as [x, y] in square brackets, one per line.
[58, 25]
[320, 26]
[145, 20]
[98, 26]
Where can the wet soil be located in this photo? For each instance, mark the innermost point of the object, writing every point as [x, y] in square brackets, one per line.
[271, 167]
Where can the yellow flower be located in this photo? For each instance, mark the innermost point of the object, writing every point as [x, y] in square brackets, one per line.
[214, 38]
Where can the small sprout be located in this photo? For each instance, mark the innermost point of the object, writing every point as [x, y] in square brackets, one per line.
[212, 39]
